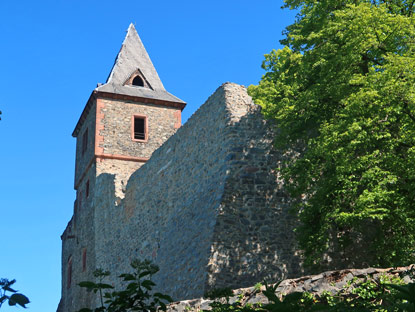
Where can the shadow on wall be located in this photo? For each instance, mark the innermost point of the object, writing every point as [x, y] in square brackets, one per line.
[208, 207]
[254, 237]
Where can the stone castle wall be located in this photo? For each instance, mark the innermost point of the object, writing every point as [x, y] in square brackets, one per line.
[253, 239]
[207, 207]
[339, 282]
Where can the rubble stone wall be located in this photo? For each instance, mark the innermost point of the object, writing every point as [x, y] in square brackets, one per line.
[207, 207]
[253, 237]
[77, 239]
[330, 281]
[83, 160]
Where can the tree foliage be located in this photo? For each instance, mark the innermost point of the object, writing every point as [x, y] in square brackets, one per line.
[342, 90]
[14, 298]
[137, 294]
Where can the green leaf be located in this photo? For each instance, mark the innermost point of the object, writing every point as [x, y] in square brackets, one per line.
[148, 284]
[19, 299]
[293, 297]
[164, 297]
[7, 288]
[104, 286]
[144, 273]
[128, 277]
[89, 285]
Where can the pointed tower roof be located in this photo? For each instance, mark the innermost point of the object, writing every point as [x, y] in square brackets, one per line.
[133, 55]
[132, 59]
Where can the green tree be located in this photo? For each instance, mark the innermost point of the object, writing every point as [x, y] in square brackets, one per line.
[342, 93]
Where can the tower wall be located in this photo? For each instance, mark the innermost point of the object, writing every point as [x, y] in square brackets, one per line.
[103, 168]
[78, 244]
[78, 239]
[123, 122]
[115, 124]
[83, 160]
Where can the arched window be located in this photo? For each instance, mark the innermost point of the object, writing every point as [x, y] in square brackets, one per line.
[137, 81]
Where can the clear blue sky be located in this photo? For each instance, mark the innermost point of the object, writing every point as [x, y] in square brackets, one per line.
[53, 53]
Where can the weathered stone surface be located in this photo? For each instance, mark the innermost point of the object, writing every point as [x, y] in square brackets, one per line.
[117, 123]
[208, 207]
[332, 281]
[83, 160]
[108, 128]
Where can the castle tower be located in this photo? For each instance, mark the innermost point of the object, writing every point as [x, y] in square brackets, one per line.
[124, 121]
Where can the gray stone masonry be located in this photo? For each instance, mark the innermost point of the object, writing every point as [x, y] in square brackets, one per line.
[253, 238]
[207, 207]
[331, 281]
[117, 122]
[77, 237]
[107, 181]
[82, 160]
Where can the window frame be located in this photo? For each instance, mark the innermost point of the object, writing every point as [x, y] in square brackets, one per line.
[87, 189]
[141, 81]
[145, 127]
[84, 146]
[84, 259]
[80, 200]
[69, 273]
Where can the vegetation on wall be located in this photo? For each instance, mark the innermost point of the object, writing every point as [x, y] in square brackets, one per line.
[364, 296]
[137, 294]
[342, 94]
[367, 293]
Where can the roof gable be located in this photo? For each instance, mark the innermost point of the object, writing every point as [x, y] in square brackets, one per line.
[132, 57]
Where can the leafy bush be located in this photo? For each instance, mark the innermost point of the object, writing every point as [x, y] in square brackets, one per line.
[384, 294]
[137, 294]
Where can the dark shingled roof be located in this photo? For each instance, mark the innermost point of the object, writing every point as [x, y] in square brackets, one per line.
[142, 92]
[132, 57]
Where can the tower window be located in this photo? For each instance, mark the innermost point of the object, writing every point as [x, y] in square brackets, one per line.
[87, 189]
[139, 128]
[69, 272]
[137, 81]
[83, 259]
[80, 201]
[84, 141]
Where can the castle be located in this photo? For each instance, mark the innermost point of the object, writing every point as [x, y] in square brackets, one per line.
[204, 201]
